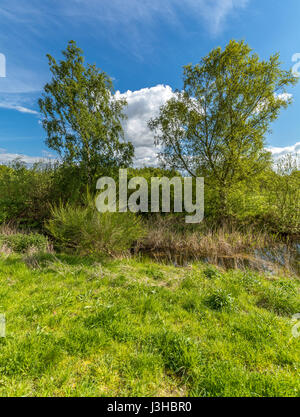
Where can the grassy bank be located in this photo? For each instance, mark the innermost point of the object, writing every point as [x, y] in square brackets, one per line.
[77, 327]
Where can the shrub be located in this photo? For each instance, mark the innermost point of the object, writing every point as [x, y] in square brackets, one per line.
[25, 193]
[250, 280]
[220, 299]
[211, 272]
[87, 231]
[21, 243]
[279, 301]
[154, 273]
[180, 353]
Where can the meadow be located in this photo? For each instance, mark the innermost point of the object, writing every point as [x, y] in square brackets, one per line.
[113, 303]
[82, 326]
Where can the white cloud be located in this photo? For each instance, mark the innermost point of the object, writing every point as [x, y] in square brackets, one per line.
[18, 102]
[278, 152]
[129, 25]
[284, 96]
[119, 12]
[143, 105]
[215, 12]
[20, 109]
[9, 157]
[144, 155]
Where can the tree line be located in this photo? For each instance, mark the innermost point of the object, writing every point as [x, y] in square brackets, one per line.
[214, 127]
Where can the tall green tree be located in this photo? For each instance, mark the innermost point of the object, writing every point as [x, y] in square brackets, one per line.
[216, 126]
[81, 116]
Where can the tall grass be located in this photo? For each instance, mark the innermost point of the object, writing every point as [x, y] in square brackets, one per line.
[85, 230]
[14, 240]
[225, 245]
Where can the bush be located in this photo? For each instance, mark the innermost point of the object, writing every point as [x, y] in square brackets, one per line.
[85, 230]
[280, 301]
[21, 243]
[250, 280]
[180, 353]
[211, 272]
[219, 300]
[25, 194]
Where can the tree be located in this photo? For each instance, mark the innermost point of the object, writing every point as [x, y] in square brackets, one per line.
[216, 126]
[81, 116]
[283, 190]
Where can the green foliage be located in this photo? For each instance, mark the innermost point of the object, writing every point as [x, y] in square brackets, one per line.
[26, 193]
[220, 299]
[281, 300]
[250, 280]
[270, 202]
[179, 352]
[21, 242]
[82, 117]
[85, 230]
[225, 143]
[283, 194]
[154, 272]
[216, 126]
[77, 327]
[211, 272]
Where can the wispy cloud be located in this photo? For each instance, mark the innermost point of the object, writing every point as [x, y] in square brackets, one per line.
[20, 109]
[127, 25]
[213, 12]
[19, 102]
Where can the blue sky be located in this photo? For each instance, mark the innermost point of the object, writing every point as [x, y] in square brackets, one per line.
[143, 45]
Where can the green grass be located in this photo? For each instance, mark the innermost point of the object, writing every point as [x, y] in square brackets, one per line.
[77, 327]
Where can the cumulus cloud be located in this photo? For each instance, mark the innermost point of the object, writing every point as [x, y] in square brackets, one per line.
[284, 96]
[143, 105]
[9, 157]
[279, 152]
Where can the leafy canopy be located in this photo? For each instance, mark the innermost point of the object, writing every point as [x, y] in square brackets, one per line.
[216, 125]
[81, 116]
